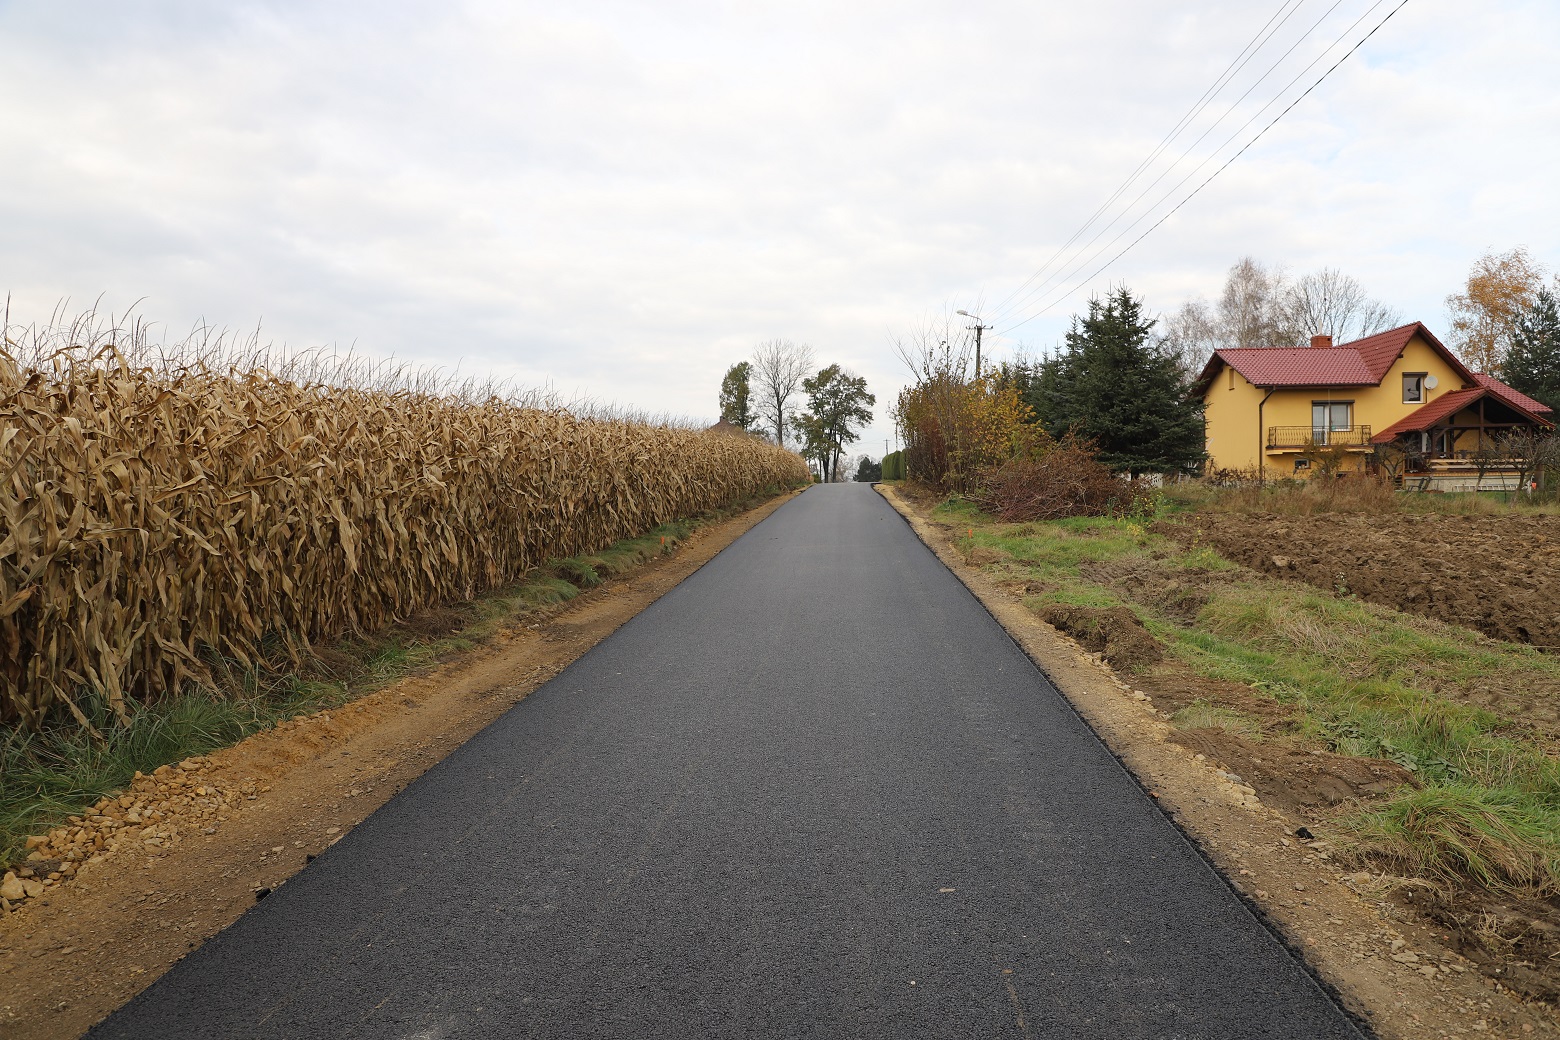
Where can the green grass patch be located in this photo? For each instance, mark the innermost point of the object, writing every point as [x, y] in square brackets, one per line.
[1362, 679]
[1456, 832]
[546, 591]
[1202, 715]
[49, 775]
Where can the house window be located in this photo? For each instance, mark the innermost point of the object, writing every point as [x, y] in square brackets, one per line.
[1328, 417]
[1413, 387]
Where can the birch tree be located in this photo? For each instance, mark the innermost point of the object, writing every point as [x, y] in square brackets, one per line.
[779, 366]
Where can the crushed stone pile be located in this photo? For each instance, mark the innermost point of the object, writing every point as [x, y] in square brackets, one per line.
[154, 812]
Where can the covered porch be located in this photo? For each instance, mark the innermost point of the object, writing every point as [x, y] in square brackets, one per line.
[1466, 440]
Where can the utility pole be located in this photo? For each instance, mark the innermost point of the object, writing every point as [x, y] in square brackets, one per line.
[979, 328]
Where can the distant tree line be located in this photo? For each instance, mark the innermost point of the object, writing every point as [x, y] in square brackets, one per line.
[758, 395]
[1261, 306]
[1113, 392]
[1505, 321]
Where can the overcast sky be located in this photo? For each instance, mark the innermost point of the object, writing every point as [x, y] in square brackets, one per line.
[621, 199]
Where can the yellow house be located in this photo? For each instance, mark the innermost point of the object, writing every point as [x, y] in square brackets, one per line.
[1274, 410]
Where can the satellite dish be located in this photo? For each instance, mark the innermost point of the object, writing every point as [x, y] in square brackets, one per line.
[1431, 382]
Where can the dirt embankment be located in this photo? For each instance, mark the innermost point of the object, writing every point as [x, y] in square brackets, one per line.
[1498, 575]
[1305, 781]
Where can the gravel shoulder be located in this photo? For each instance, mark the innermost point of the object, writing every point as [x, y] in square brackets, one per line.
[1392, 971]
[184, 852]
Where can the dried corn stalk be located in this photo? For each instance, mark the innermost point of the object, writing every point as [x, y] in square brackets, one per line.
[152, 515]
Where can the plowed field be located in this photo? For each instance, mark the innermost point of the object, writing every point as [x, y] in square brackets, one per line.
[1498, 575]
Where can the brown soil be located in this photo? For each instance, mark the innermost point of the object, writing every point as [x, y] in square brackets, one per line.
[1285, 770]
[1305, 782]
[186, 851]
[1113, 632]
[1508, 938]
[1529, 702]
[1515, 941]
[1499, 575]
[1176, 592]
[1412, 961]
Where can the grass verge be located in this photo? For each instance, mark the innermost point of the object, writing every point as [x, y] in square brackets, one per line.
[1352, 495]
[1357, 678]
[49, 775]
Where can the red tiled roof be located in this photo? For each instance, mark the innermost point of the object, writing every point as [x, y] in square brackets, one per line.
[1299, 366]
[1451, 403]
[1380, 350]
[1426, 416]
[1511, 396]
[1365, 362]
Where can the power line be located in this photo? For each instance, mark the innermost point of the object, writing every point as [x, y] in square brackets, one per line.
[1080, 260]
[1255, 44]
[1321, 79]
[1071, 268]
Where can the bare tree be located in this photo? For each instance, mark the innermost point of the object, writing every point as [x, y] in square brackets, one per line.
[1331, 303]
[1546, 458]
[936, 348]
[1261, 307]
[779, 366]
[1487, 456]
[1394, 459]
[1191, 335]
[1527, 451]
[1251, 309]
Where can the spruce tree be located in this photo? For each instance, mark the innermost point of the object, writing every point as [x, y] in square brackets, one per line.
[1114, 385]
[1532, 364]
[1024, 376]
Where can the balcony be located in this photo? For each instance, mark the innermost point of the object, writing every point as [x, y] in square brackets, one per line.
[1299, 438]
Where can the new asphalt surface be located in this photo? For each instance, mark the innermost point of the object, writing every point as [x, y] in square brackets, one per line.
[814, 791]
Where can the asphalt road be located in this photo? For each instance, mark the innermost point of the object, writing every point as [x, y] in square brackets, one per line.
[814, 791]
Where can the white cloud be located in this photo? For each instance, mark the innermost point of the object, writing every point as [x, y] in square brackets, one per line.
[621, 199]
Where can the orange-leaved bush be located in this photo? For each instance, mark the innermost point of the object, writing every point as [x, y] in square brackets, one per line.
[954, 430]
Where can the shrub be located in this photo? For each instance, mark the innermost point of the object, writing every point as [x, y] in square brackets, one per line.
[1062, 479]
[954, 429]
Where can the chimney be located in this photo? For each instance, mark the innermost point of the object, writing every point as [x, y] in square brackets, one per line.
[1321, 341]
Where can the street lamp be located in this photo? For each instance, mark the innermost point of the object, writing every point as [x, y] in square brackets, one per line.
[978, 327]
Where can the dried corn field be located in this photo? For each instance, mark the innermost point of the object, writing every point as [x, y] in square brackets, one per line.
[157, 515]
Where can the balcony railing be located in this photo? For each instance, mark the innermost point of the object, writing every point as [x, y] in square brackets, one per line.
[1302, 437]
